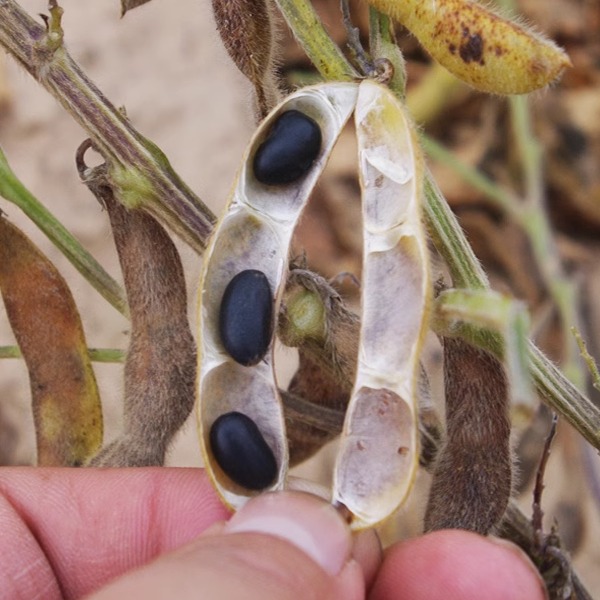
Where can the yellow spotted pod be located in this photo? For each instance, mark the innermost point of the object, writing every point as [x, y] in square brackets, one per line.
[485, 50]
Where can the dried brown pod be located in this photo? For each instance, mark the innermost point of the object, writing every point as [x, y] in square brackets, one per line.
[472, 478]
[66, 405]
[247, 30]
[160, 365]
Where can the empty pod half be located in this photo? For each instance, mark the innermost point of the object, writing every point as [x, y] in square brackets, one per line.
[378, 454]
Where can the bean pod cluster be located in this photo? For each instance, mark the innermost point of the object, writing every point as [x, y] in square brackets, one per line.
[240, 415]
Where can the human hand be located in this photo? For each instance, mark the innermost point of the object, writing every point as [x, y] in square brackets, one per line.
[162, 533]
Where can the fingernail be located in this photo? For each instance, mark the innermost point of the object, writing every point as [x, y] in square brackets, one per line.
[305, 521]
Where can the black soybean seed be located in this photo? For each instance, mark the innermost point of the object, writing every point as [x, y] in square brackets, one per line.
[246, 317]
[241, 451]
[288, 152]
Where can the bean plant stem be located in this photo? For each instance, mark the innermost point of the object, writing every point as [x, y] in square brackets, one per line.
[318, 45]
[383, 46]
[536, 224]
[14, 191]
[140, 171]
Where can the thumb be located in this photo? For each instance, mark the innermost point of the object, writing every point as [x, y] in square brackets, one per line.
[284, 545]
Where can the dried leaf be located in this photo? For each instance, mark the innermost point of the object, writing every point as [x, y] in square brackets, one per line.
[66, 405]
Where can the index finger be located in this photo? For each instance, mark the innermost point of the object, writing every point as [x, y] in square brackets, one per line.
[66, 532]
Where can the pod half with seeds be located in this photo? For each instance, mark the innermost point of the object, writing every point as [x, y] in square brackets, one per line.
[235, 372]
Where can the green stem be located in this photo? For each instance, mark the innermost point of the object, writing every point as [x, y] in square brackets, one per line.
[14, 191]
[550, 383]
[383, 46]
[499, 197]
[103, 355]
[538, 228]
[141, 173]
[450, 240]
[316, 42]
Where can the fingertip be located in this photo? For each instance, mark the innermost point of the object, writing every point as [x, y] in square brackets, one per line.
[368, 553]
[301, 519]
[457, 565]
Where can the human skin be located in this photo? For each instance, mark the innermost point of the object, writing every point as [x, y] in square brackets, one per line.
[162, 533]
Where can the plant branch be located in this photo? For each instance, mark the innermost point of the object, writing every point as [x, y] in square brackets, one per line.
[14, 191]
[140, 171]
[536, 225]
[466, 272]
[316, 42]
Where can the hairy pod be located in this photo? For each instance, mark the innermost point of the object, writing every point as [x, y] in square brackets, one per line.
[247, 31]
[160, 365]
[255, 234]
[472, 478]
[480, 47]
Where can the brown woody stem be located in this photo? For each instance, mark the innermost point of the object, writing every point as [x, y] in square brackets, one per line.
[140, 171]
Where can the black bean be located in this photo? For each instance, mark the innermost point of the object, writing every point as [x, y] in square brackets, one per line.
[288, 152]
[242, 452]
[246, 317]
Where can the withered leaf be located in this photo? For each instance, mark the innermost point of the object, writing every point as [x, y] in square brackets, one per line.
[66, 405]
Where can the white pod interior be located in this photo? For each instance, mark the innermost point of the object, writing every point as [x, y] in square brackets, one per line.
[378, 455]
[255, 233]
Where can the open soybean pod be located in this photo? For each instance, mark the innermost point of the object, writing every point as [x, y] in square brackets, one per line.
[378, 455]
[241, 423]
